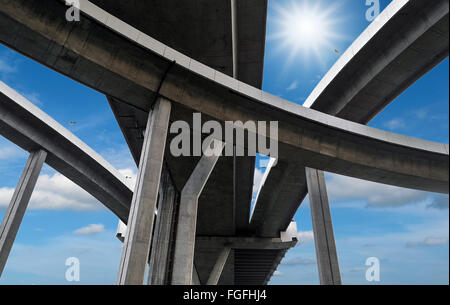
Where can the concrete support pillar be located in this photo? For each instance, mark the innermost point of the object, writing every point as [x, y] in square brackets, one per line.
[159, 255]
[187, 216]
[19, 202]
[218, 266]
[234, 37]
[327, 260]
[136, 247]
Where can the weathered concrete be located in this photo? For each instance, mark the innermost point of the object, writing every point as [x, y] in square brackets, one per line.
[187, 217]
[136, 246]
[327, 260]
[245, 242]
[161, 238]
[407, 40]
[27, 126]
[132, 75]
[218, 266]
[18, 204]
[201, 29]
[307, 137]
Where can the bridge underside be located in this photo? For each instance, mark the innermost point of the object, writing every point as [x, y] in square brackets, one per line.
[368, 76]
[202, 30]
[132, 77]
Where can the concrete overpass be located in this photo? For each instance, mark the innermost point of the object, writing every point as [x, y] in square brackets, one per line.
[134, 69]
[407, 40]
[27, 126]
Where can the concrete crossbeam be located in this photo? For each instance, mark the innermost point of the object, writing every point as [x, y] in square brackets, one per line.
[218, 266]
[161, 239]
[136, 246]
[187, 217]
[327, 260]
[246, 242]
[18, 205]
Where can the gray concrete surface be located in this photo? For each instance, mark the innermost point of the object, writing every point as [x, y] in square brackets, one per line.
[407, 40]
[327, 259]
[159, 256]
[218, 266]
[128, 65]
[18, 204]
[187, 217]
[30, 128]
[136, 247]
[206, 91]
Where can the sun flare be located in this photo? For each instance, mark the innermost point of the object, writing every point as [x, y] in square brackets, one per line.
[305, 28]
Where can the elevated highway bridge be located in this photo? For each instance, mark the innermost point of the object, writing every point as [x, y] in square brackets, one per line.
[208, 57]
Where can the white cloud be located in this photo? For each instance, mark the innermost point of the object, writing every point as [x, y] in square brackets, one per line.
[305, 237]
[56, 192]
[277, 273]
[440, 203]
[395, 124]
[44, 262]
[8, 152]
[375, 194]
[292, 86]
[130, 175]
[257, 181]
[428, 242]
[6, 67]
[90, 229]
[299, 261]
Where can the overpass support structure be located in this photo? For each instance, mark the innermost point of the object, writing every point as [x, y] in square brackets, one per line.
[183, 264]
[18, 205]
[327, 260]
[137, 242]
[160, 251]
[218, 266]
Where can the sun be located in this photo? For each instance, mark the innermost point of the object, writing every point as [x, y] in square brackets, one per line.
[305, 28]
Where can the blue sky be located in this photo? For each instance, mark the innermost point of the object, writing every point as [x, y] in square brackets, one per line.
[406, 229]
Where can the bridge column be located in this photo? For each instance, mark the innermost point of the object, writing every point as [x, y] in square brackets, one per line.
[187, 218]
[19, 202]
[136, 246]
[159, 255]
[218, 266]
[327, 260]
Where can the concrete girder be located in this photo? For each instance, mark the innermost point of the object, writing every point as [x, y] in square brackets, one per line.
[305, 136]
[18, 205]
[407, 40]
[254, 243]
[137, 242]
[27, 126]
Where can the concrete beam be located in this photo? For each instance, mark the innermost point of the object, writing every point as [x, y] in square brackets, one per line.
[218, 266]
[136, 247]
[97, 44]
[327, 260]
[161, 239]
[246, 242]
[187, 216]
[18, 205]
[29, 127]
